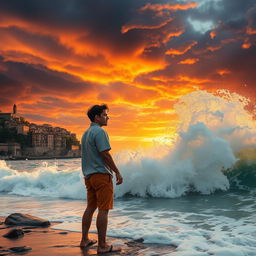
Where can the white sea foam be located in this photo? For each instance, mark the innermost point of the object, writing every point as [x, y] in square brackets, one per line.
[45, 180]
[224, 235]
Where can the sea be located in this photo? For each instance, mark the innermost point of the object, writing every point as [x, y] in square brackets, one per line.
[194, 189]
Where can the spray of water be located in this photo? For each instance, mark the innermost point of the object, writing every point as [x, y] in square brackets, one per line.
[213, 129]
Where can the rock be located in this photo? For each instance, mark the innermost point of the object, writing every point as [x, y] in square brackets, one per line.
[26, 220]
[14, 233]
[27, 231]
[136, 243]
[139, 240]
[20, 249]
[63, 233]
[30, 227]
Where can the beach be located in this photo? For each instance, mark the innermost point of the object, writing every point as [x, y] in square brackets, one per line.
[48, 241]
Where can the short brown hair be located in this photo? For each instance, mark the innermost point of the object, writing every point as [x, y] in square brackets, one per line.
[96, 110]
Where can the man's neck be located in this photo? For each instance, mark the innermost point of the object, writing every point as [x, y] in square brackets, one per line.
[96, 123]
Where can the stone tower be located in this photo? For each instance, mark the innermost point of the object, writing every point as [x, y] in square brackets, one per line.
[14, 109]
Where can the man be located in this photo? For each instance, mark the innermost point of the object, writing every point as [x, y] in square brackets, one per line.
[98, 167]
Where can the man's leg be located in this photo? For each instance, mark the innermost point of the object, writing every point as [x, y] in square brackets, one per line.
[103, 184]
[86, 223]
[87, 216]
[102, 224]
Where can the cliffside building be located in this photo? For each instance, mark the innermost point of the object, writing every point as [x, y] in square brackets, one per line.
[20, 138]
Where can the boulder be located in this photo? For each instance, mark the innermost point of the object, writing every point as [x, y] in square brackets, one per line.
[14, 233]
[19, 219]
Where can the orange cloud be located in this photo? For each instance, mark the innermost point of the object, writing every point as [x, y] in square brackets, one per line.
[223, 72]
[251, 31]
[193, 80]
[189, 61]
[246, 45]
[213, 34]
[169, 6]
[127, 28]
[182, 49]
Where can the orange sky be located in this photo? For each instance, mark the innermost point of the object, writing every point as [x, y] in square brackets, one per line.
[138, 57]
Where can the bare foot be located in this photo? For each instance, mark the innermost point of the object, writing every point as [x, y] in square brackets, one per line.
[87, 243]
[108, 249]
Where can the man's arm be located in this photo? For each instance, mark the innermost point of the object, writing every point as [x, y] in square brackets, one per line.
[111, 164]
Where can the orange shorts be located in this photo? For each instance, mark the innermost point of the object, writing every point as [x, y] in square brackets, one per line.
[100, 191]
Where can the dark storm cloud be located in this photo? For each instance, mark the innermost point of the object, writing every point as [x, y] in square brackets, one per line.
[72, 14]
[46, 46]
[97, 22]
[23, 81]
[225, 51]
[43, 43]
[100, 21]
[10, 89]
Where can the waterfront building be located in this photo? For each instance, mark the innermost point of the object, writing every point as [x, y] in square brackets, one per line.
[41, 140]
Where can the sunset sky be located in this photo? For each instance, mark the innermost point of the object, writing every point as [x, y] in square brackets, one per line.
[59, 57]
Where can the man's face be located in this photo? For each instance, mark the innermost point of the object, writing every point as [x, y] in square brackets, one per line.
[102, 119]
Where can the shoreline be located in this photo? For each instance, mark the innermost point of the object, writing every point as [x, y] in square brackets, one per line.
[49, 241]
[39, 158]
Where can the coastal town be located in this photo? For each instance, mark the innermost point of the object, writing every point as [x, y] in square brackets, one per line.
[20, 139]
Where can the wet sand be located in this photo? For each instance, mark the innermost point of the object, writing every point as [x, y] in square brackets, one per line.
[51, 242]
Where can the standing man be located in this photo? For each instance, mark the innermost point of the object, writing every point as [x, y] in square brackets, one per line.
[98, 167]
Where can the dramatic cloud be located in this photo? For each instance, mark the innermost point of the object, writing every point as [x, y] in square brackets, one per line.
[58, 58]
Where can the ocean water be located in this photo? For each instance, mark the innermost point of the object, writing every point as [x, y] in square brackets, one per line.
[197, 193]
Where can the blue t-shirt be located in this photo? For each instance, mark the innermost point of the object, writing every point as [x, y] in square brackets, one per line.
[94, 141]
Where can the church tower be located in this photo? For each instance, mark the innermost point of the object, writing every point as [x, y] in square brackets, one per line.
[14, 109]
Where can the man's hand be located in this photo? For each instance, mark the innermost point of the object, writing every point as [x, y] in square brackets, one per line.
[119, 179]
[107, 158]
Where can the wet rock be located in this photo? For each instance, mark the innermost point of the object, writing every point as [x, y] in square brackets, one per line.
[26, 220]
[63, 233]
[14, 233]
[4, 250]
[20, 249]
[137, 243]
[139, 240]
[30, 227]
[27, 231]
[4, 254]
